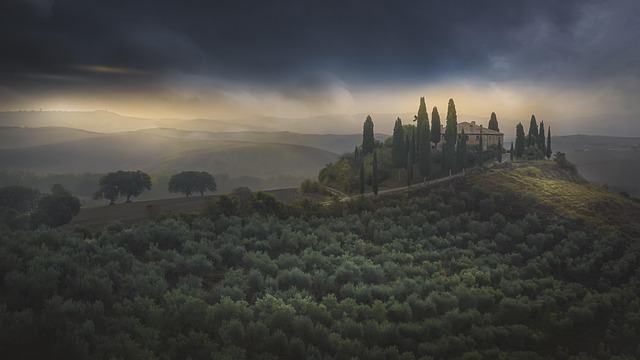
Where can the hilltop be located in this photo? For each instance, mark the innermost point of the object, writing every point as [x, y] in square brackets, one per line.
[563, 194]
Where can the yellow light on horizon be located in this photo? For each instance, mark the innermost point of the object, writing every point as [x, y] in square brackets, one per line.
[107, 69]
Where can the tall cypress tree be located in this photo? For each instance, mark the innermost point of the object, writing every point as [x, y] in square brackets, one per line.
[374, 179]
[481, 144]
[520, 140]
[548, 149]
[413, 145]
[368, 140]
[398, 151]
[410, 168]
[362, 177]
[424, 149]
[450, 135]
[532, 136]
[422, 111]
[461, 150]
[511, 152]
[500, 150]
[443, 161]
[417, 134]
[407, 140]
[493, 122]
[356, 155]
[541, 141]
[420, 119]
[436, 127]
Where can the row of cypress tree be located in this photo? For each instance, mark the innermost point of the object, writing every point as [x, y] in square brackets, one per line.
[454, 151]
[534, 144]
[412, 144]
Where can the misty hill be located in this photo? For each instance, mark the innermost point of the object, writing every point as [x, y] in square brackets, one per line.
[99, 121]
[153, 153]
[614, 161]
[337, 143]
[12, 137]
[604, 124]
[334, 124]
[589, 142]
[109, 122]
[105, 121]
[614, 125]
[215, 125]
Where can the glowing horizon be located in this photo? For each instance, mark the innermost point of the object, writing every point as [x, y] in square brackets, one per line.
[559, 61]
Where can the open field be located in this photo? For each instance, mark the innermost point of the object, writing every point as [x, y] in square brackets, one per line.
[140, 210]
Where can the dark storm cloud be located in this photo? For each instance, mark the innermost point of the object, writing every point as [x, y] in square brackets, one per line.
[52, 44]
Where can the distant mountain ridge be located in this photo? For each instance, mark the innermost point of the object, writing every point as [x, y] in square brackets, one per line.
[104, 121]
[97, 121]
[109, 122]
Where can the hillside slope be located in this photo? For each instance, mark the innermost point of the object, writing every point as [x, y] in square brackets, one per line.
[497, 265]
[567, 195]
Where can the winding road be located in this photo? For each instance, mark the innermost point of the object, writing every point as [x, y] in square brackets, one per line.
[345, 197]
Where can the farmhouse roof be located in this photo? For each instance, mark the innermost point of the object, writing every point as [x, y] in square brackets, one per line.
[472, 128]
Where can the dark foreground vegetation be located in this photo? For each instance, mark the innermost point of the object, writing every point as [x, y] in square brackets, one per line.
[483, 268]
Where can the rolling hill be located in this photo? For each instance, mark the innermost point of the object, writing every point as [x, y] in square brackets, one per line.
[160, 154]
[99, 121]
[102, 141]
[109, 122]
[337, 143]
[322, 124]
[13, 137]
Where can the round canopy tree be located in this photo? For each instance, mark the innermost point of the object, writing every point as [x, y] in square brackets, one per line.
[188, 182]
[122, 183]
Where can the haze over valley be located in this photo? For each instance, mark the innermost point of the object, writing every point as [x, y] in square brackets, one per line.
[261, 152]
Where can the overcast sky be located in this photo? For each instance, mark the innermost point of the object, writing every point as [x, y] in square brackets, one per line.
[226, 59]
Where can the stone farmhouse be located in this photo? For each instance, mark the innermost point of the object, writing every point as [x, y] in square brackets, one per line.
[472, 132]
